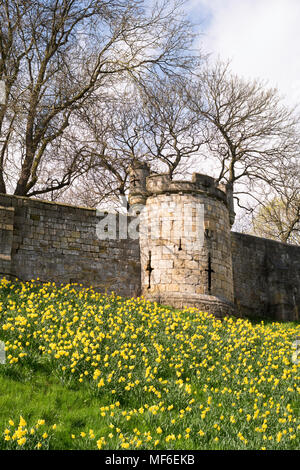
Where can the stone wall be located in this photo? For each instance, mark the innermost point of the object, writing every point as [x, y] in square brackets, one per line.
[6, 236]
[58, 242]
[266, 276]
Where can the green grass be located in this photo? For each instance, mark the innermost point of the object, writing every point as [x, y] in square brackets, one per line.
[39, 395]
[117, 373]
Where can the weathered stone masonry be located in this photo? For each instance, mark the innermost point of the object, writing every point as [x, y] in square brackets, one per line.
[59, 243]
[231, 273]
[186, 269]
[266, 276]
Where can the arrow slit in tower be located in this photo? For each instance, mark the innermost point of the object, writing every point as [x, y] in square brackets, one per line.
[149, 269]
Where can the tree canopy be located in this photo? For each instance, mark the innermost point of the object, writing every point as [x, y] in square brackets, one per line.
[92, 85]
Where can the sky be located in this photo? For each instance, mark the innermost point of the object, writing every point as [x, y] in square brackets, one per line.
[260, 37]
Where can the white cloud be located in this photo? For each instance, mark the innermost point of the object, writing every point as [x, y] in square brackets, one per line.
[261, 37]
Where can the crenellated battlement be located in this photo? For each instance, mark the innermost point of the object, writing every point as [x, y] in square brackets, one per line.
[144, 185]
[200, 184]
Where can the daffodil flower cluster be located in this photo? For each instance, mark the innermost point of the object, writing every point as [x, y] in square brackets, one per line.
[168, 378]
[22, 436]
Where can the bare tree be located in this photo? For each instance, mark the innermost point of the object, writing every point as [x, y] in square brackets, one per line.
[172, 132]
[277, 213]
[57, 56]
[146, 122]
[110, 139]
[239, 128]
[248, 129]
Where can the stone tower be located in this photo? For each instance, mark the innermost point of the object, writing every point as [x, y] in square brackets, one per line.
[138, 173]
[185, 241]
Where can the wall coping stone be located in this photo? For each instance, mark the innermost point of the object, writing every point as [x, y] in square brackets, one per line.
[36, 202]
[263, 240]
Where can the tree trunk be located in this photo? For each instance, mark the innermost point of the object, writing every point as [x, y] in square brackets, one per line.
[21, 188]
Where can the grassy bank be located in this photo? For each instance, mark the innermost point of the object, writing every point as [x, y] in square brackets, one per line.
[86, 370]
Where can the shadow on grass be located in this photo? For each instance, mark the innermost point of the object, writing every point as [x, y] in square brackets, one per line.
[12, 373]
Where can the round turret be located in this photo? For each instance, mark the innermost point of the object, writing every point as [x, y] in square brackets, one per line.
[185, 244]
